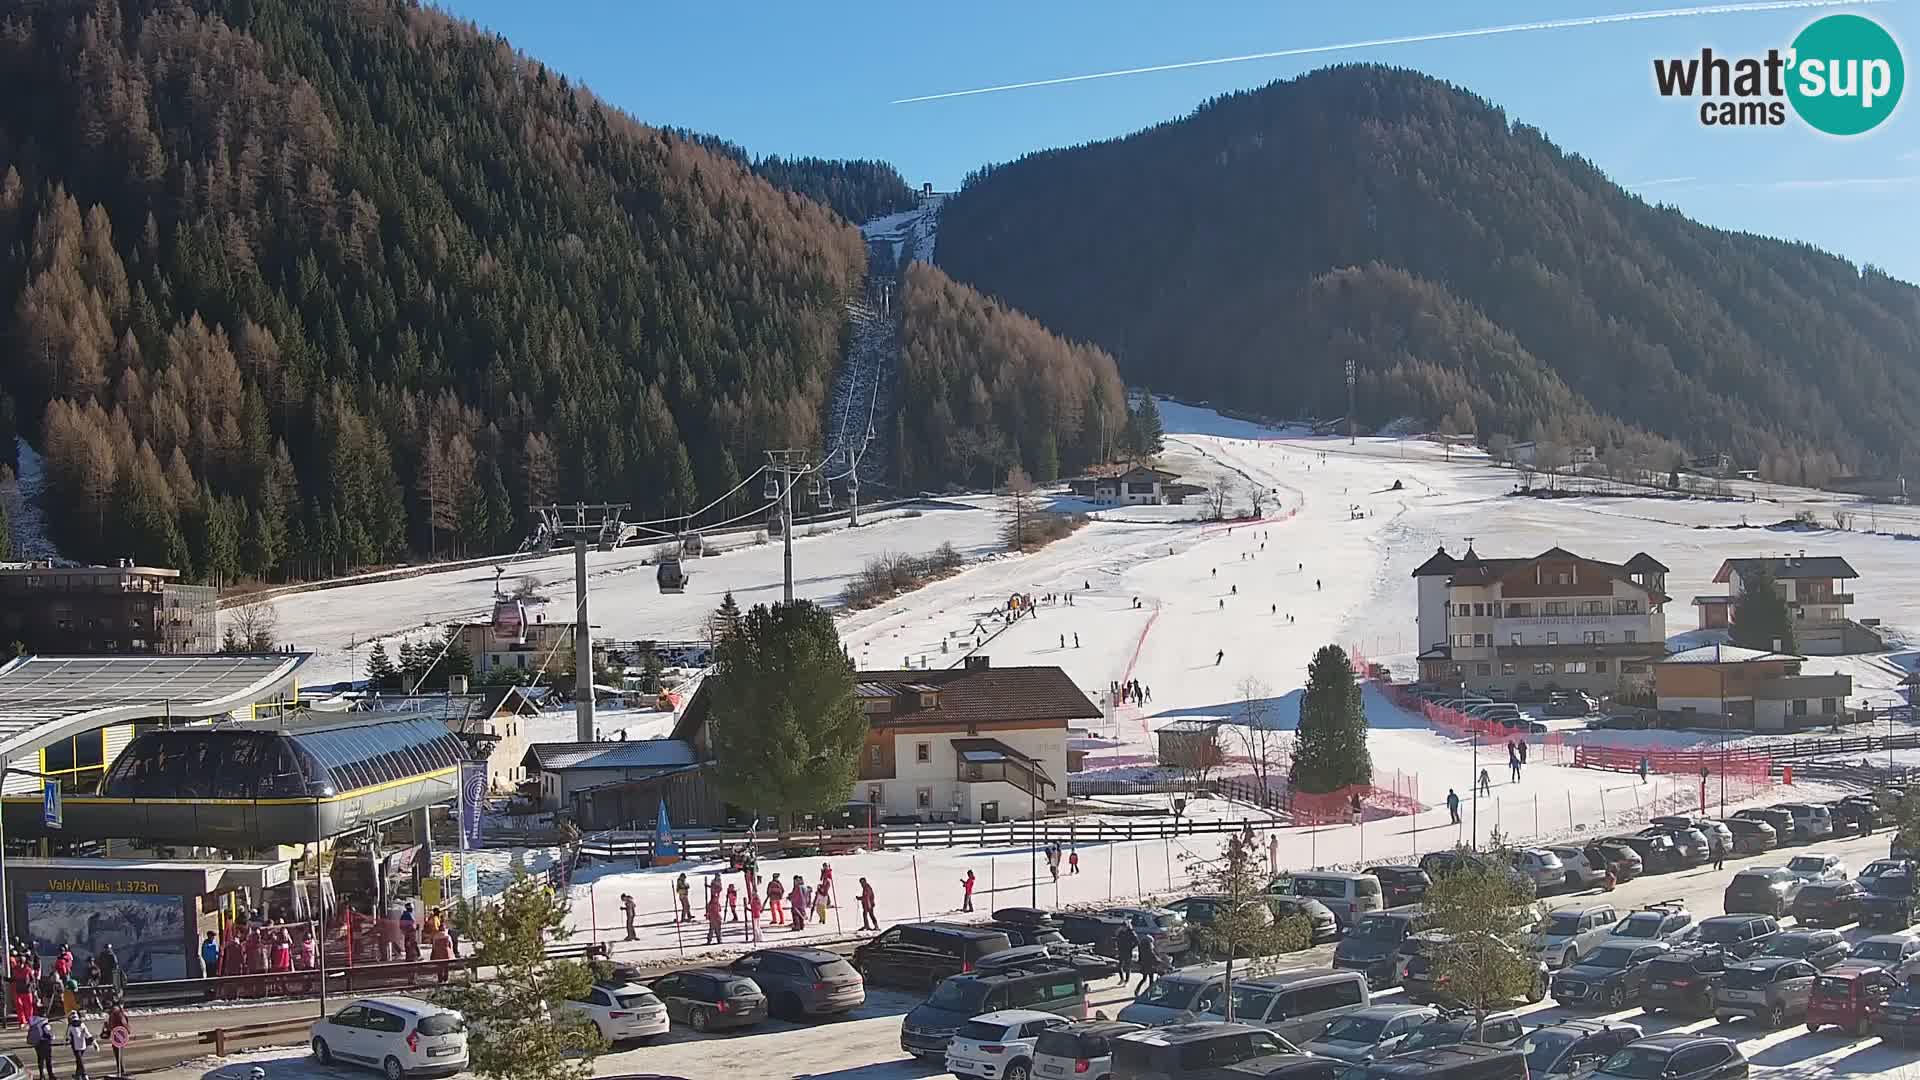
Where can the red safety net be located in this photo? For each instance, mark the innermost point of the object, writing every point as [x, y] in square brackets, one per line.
[1392, 794]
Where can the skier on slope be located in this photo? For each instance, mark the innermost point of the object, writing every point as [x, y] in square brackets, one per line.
[1219, 656]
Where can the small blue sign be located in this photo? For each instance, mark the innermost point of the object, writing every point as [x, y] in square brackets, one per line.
[50, 812]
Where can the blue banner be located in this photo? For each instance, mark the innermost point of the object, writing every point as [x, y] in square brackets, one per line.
[473, 801]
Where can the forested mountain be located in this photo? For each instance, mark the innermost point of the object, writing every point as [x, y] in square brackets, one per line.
[289, 286]
[1245, 252]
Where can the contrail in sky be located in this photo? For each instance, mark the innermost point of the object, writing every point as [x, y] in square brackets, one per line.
[1408, 39]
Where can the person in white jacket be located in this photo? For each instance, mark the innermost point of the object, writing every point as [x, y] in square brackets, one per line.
[79, 1040]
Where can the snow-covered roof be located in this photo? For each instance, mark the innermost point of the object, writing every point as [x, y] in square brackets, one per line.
[637, 754]
[1726, 654]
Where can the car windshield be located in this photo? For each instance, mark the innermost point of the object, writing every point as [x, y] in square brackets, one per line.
[1877, 950]
[1432, 1035]
[1543, 1048]
[1789, 945]
[1249, 1003]
[1168, 994]
[1639, 926]
[1637, 1063]
[1378, 930]
[960, 995]
[1356, 1029]
[1807, 864]
[1614, 957]
[1564, 924]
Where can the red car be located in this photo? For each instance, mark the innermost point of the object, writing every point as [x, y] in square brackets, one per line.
[1849, 998]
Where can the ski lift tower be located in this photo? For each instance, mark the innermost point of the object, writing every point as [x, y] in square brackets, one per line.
[585, 523]
[784, 470]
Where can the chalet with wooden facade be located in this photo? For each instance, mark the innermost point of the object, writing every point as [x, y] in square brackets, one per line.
[1749, 689]
[1817, 597]
[1131, 484]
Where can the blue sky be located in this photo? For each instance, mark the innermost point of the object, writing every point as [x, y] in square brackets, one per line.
[819, 79]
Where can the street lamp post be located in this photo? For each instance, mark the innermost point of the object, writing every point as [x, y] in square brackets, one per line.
[1475, 778]
[318, 792]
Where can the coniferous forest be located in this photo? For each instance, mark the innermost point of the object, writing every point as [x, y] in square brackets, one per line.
[1464, 263]
[296, 286]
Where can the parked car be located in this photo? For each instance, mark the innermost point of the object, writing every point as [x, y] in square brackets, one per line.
[1570, 703]
[1692, 844]
[1667, 921]
[1499, 1029]
[999, 1045]
[1762, 890]
[1780, 821]
[621, 1012]
[1400, 885]
[1423, 984]
[917, 956]
[1890, 951]
[1622, 859]
[1044, 933]
[1573, 1048]
[1887, 899]
[1097, 932]
[1719, 836]
[1882, 866]
[1348, 896]
[1369, 947]
[1751, 836]
[1583, 871]
[710, 999]
[1543, 868]
[1658, 853]
[1440, 863]
[1298, 1006]
[930, 1025]
[1814, 867]
[1375, 1031]
[1571, 932]
[1811, 821]
[1821, 948]
[1181, 996]
[1676, 1057]
[1325, 927]
[1198, 912]
[1898, 1021]
[1465, 1061]
[1683, 981]
[1198, 1051]
[1740, 936]
[400, 1036]
[1080, 1049]
[1827, 903]
[1612, 976]
[1168, 929]
[802, 982]
[1773, 989]
[1847, 997]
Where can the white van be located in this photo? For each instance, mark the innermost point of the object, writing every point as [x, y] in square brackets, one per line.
[1349, 896]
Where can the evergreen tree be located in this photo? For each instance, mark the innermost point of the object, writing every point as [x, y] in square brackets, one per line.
[499, 510]
[725, 619]
[1487, 956]
[1145, 437]
[514, 1034]
[6, 528]
[785, 728]
[1330, 749]
[1761, 618]
[381, 673]
[1048, 468]
[1242, 925]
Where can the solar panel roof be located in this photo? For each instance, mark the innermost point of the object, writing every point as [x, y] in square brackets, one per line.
[43, 698]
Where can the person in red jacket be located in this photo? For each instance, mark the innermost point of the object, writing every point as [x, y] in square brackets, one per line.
[713, 918]
[966, 892]
[775, 891]
[868, 920]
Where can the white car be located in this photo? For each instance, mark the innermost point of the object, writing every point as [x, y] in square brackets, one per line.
[1572, 932]
[1817, 868]
[1666, 922]
[999, 1045]
[400, 1036]
[621, 1012]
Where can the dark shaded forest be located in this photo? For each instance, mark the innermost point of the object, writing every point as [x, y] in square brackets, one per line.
[1244, 253]
[295, 286]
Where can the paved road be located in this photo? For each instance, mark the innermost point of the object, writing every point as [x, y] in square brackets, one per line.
[865, 1045]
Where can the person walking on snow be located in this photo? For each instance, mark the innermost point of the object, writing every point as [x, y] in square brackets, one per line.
[1486, 783]
[1453, 805]
[868, 920]
[752, 929]
[733, 902]
[1219, 656]
[966, 892]
[1076, 639]
[1124, 942]
[686, 899]
[713, 919]
[776, 915]
[818, 895]
[1643, 768]
[79, 1040]
[798, 899]
[40, 1037]
[1073, 863]
[628, 907]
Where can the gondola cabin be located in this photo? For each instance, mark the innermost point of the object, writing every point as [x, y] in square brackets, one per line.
[671, 577]
[509, 621]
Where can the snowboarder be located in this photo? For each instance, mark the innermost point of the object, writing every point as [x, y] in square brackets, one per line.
[1124, 943]
[1453, 805]
[966, 892]
[868, 920]
[1219, 656]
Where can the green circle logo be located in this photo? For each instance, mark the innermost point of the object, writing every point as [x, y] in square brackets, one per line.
[1847, 74]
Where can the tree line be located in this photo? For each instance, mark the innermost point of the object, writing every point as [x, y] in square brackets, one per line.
[1453, 255]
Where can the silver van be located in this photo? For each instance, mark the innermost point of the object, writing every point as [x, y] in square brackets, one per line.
[1348, 896]
[1298, 1006]
[1178, 996]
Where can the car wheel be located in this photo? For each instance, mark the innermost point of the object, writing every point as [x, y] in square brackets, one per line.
[393, 1069]
[320, 1052]
[1018, 1071]
[1538, 993]
[698, 1020]
[1617, 998]
[1812, 1027]
[1567, 958]
[1776, 1017]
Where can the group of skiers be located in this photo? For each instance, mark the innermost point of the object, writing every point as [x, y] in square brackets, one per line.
[1516, 758]
[783, 904]
[39, 996]
[1127, 691]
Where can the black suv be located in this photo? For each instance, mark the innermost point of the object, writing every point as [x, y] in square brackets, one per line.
[1821, 948]
[1400, 884]
[1372, 942]
[1464, 1061]
[1888, 902]
[1658, 854]
[1199, 1051]
[916, 956]
[1684, 981]
[1676, 1057]
[1612, 976]
[1738, 935]
[1094, 931]
[1827, 903]
[1573, 1046]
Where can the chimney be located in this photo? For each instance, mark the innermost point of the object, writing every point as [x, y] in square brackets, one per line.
[979, 663]
[456, 684]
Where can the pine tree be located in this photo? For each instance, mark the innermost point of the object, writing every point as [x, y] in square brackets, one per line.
[724, 621]
[1485, 954]
[1330, 749]
[1048, 467]
[785, 728]
[381, 673]
[514, 1034]
[1241, 923]
[1145, 436]
[1762, 620]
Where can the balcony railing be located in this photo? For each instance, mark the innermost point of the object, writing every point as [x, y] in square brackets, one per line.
[1004, 772]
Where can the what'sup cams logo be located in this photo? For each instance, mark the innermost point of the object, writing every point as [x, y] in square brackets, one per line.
[1842, 75]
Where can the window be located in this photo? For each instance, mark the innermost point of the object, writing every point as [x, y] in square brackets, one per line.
[1479, 610]
[1480, 641]
[1593, 607]
[1553, 638]
[1829, 706]
[928, 701]
[1543, 668]
[1599, 667]
[1506, 669]
[1513, 638]
[1626, 607]
[923, 752]
[1519, 611]
[1799, 706]
[1593, 637]
[1463, 641]
[383, 1021]
[1630, 636]
[873, 754]
[1464, 610]
[923, 798]
[1484, 670]
[1576, 667]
